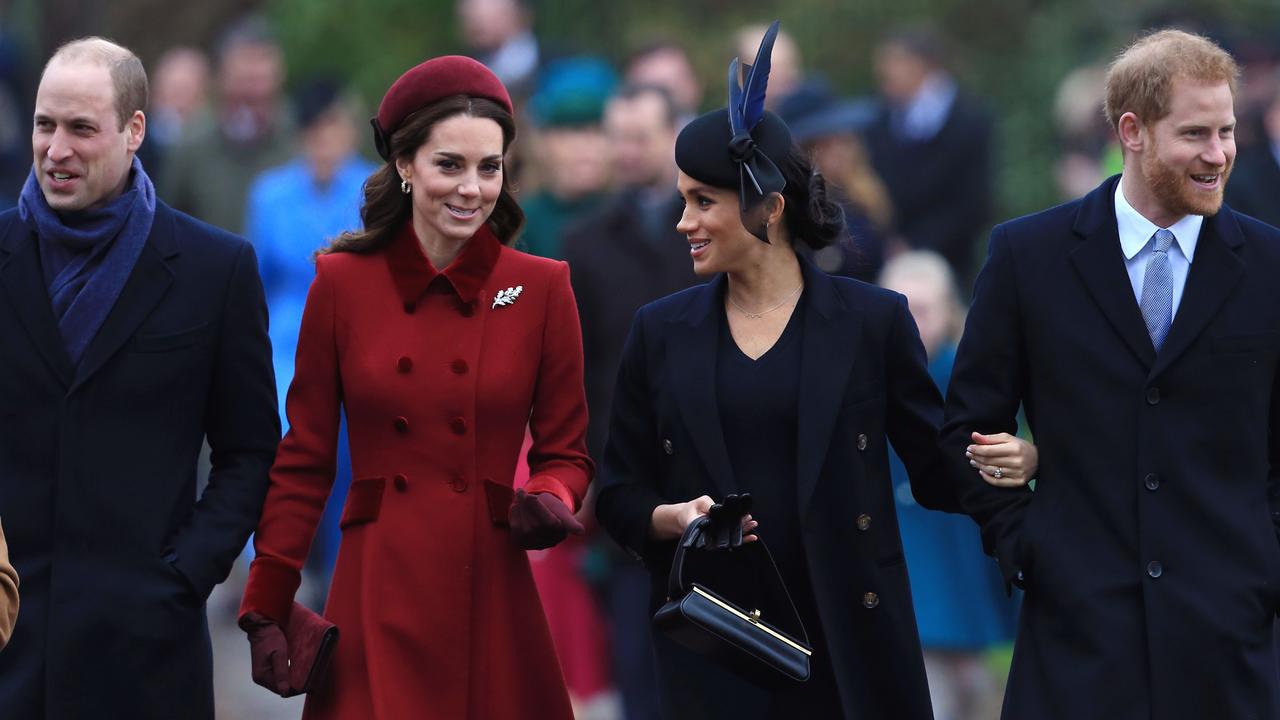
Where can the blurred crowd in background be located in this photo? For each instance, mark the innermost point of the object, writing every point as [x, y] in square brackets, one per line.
[238, 137]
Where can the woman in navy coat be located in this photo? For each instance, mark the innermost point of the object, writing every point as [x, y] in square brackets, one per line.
[779, 380]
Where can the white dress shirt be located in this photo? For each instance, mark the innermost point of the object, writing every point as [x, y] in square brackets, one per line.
[1137, 241]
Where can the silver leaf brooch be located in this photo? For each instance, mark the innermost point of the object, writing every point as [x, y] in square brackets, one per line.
[506, 297]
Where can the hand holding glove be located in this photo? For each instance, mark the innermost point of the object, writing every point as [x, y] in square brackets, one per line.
[540, 520]
[724, 529]
[269, 652]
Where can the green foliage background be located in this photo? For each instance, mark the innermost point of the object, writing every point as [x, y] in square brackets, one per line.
[1011, 52]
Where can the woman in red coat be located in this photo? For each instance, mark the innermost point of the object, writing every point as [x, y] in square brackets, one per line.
[439, 372]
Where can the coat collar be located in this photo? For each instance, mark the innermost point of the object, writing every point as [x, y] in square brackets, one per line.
[23, 282]
[413, 273]
[1099, 261]
[828, 354]
[705, 300]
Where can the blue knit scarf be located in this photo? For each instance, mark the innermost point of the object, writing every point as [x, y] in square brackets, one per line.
[88, 254]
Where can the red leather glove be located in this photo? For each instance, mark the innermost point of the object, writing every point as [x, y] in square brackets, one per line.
[269, 653]
[540, 520]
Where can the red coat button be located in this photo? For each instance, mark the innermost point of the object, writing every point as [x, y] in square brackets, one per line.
[460, 484]
[467, 309]
[410, 306]
[401, 424]
[401, 482]
[458, 425]
[404, 364]
[459, 366]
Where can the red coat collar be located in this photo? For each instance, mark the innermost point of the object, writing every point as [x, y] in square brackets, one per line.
[412, 272]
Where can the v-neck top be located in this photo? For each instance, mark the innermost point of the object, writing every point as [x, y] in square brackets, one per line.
[759, 416]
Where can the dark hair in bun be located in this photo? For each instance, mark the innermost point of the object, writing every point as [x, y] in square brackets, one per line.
[811, 217]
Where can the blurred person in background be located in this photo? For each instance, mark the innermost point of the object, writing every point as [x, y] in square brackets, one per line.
[132, 334]
[625, 255]
[179, 102]
[1088, 151]
[961, 606]
[827, 128]
[931, 145]
[1255, 183]
[16, 90]
[786, 71]
[8, 593]
[294, 210]
[499, 33]
[666, 64]
[570, 157]
[442, 344]
[209, 172]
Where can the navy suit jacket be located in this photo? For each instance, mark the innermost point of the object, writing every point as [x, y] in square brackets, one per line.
[864, 382]
[1148, 549]
[98, 478]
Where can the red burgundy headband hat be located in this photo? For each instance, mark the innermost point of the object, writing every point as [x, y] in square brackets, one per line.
[433, 80]
[740, 147]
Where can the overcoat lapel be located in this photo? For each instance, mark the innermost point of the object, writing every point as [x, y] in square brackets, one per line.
[23, 283]
[827, 356]
[695, 335]
[1214, 275]
[1099, 261]
[147, 284]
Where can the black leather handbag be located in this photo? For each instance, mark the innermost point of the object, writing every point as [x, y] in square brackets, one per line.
[767, 650]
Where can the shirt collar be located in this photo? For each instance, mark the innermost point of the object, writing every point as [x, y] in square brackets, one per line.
[413, 273]
[926, 112]
[1136, 231]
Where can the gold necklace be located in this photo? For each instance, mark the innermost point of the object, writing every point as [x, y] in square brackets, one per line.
[762, 313]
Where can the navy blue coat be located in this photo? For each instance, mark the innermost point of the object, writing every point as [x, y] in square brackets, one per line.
[864, 381]
[1148, 549]
[98, 473]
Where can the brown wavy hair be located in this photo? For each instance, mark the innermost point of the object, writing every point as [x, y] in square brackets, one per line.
[386, 208]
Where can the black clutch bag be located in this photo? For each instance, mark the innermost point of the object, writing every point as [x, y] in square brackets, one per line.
[767, 651]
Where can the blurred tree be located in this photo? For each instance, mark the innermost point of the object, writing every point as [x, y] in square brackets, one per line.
[1012, 52]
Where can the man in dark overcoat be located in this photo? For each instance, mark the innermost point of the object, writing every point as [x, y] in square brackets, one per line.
[623, 256]
[1139, 327]
[131, 333]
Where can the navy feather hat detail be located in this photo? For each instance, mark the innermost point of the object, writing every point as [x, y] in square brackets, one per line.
[739, 147]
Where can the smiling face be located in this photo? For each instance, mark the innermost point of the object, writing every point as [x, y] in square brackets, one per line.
[81, 155]
[718, 242]
[1183, 160]
[456, 176]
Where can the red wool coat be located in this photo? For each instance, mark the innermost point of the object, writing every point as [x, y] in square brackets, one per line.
[437, 610]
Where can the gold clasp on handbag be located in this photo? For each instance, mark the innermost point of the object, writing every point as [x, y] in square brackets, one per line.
[754, 616]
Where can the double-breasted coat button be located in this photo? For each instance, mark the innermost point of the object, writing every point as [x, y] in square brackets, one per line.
[1155, 569]
[410, 306]
[1153, 396]
[1151, 481]
[870, 600]
[458, 426]
[401, 424]
[404, 364]
[863, 522]
[460, 484]
[667, 447]
[401, 482]
[458, 366]
[862, 441]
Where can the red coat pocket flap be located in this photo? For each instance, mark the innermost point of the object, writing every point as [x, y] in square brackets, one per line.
[499, 497]
[364, 502]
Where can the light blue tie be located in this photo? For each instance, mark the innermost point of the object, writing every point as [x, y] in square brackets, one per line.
[1157, 290]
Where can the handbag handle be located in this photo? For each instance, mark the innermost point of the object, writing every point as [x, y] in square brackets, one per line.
[677, 588]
